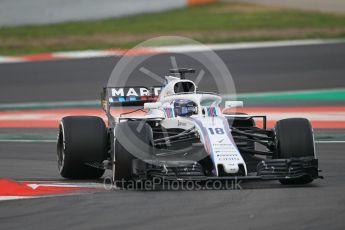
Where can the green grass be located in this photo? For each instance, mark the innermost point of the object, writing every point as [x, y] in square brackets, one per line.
[222, 22]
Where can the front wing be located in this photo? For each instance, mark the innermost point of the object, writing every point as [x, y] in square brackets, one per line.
[273, 169]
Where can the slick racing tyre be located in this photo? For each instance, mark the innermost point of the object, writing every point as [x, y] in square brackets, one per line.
[295, 139]
[82, 145]
[130, 137]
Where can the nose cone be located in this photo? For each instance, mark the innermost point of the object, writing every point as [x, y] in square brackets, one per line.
[231, 168]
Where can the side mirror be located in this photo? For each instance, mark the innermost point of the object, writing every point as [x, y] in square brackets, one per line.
[233, 104]
[152, 105]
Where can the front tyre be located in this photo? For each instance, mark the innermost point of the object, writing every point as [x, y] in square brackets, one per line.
[294, 137]
[82, 142]
[133, 139]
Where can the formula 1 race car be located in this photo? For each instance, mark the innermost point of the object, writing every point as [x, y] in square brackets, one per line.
[183, 135]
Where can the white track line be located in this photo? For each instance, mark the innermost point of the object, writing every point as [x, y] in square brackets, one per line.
[175, 49]
[27, 141]
[3, 198]
[287, 92]
[54, 104]
[84, 54]
[36, 184]
[329, 142]
[245, 45]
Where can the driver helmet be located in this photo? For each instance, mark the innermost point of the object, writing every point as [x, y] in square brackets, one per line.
[185, 108]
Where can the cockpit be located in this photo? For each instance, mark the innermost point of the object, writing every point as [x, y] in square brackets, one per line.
[185, 108]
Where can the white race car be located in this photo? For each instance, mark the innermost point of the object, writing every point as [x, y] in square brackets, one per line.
[183, 135]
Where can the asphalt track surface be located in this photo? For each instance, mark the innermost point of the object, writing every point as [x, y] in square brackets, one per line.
[267, 205]
[253, 70]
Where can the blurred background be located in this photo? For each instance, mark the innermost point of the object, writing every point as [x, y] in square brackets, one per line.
[286, 57]
[36, 26]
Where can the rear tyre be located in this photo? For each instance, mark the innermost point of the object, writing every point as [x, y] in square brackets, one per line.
[82, 142]
[131, 139]
[295, 139]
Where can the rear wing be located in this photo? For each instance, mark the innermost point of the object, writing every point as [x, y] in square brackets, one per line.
[128, 96]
